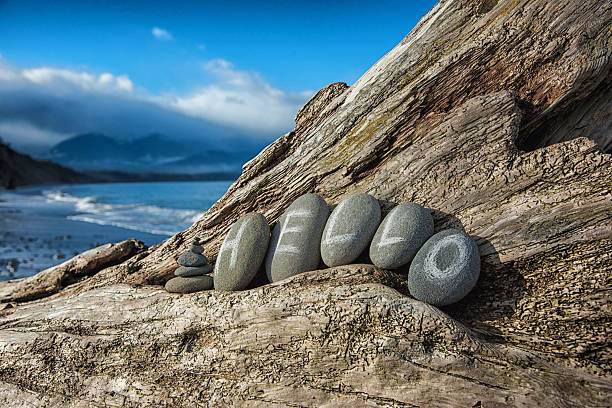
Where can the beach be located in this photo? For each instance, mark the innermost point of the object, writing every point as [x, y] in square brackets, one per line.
[35, 236]
[41, 227]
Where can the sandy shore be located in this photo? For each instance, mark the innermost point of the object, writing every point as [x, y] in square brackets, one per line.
[35, 235]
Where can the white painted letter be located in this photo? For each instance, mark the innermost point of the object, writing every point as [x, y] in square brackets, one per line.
[385, 239]
[430, 266]
[285, 229]
[330, 238]
[231, 244]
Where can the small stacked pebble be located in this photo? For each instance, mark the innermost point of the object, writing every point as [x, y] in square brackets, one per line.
[191, 275]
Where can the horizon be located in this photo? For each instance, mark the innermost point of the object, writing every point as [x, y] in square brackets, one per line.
[217, 74]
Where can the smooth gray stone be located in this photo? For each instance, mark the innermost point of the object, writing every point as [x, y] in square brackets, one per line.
[193, 270]
[349, 229]
[196, 249]
[401, 234]
[445, 269]
[192, 259]
[190, 284]
[295, 245]
[242, 252]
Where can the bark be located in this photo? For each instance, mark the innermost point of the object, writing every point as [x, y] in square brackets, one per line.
[460, 117]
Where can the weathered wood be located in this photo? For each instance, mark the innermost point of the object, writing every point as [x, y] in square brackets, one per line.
[441, 121]
[337, 337]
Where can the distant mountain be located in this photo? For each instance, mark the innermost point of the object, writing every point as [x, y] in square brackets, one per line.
[151, 153]
[17, 169]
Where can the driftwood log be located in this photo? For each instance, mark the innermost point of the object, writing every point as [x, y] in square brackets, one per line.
[56, 278]
[496, 115]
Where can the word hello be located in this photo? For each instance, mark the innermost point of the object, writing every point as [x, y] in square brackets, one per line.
[443, 267]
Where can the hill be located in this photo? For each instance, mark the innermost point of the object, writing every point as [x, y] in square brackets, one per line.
[18, 169]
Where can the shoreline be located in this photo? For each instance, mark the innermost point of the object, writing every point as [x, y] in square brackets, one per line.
[35, 236]
[111, 177]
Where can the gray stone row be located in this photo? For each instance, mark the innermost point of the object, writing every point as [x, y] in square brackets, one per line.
[443, 267]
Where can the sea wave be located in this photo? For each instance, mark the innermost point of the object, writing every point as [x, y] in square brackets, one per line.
[138, 217]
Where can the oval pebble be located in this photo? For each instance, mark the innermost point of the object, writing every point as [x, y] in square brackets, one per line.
[192, 259]
[295, 245]
[401, 234]
[349, 229]
[445, 269]
[242, 252]
[193, 270]
[196, 249]
[190, 284]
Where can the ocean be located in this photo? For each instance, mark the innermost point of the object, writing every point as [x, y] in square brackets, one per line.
[43, 226]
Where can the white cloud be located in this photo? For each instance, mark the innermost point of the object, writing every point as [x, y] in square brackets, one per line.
[105, 82]
[161, 34]
[106, 78]
[123, 82]
[243, 100]
[49, 104]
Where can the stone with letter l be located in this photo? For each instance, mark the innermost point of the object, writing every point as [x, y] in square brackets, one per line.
[349, 229]
[398, 238]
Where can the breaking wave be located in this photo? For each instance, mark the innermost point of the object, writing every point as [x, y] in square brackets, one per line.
[138, 217]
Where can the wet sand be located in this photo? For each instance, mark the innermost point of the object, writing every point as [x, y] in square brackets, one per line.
[35, 236]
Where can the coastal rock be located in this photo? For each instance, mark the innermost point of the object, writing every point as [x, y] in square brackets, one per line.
[182, 284]
[295, 245]
[192, 259]
[400, 235]
[445, 269]
[242, 252]
[193, 270]
[349, 229]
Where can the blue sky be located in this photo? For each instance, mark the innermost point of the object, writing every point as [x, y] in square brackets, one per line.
[243, 66]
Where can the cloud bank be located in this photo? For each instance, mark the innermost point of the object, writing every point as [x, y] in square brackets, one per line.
[241, 98]
[44, 105]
